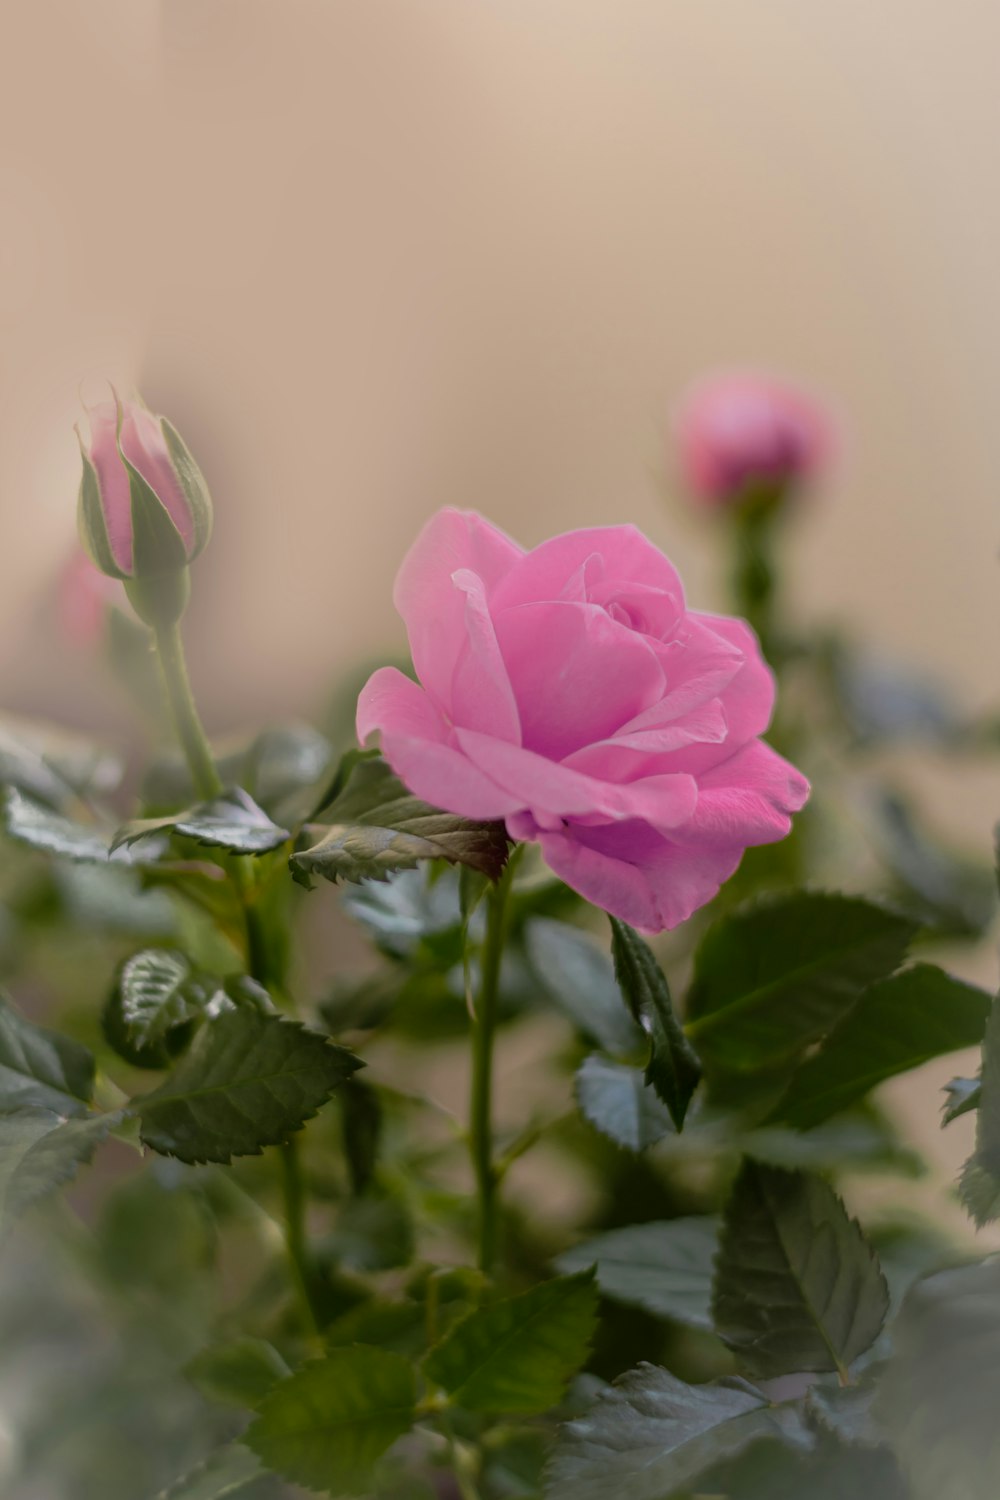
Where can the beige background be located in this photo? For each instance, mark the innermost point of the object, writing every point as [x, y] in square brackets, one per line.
[374, 256]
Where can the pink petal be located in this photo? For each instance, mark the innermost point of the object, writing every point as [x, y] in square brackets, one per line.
[577, 675]
[628, 755]
[433, 609]
[112, 480]
[481, 694]
[544, 573]
[554, 791]
[415, 743]
[145, 447]
[748, 799]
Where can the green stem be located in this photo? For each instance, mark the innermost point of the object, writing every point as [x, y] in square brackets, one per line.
[194, 742]
[207, 784]
[484, 1023]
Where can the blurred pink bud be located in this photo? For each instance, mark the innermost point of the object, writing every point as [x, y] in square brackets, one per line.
[84, 597]
[739, 434]
[144, 506]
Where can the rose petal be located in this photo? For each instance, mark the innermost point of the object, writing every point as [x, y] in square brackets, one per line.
[481, 694]
[576, 674]
[112, 481]
[548, 788]
[414, 742]
[145, 447]
[626, 756]
[545, 572]
[748, 799]
[433, 609]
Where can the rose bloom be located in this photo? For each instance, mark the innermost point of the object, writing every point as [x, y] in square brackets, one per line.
[569, 691]
[739, 433]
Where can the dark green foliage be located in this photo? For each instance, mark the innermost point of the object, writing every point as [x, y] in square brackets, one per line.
[42, 1069]
[618, 1103]
[664, 1267]
[579, 978]
[673, 1069]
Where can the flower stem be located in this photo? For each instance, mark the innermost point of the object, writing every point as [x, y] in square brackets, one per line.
[207, 784]
[484, 1022]
[194, 742]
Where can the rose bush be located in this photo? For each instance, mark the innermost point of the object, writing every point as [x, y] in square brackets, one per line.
[569, 691]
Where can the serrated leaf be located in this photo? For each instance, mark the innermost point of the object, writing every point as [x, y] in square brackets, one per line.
[941, 1390]
[238, 1373]
[579, 978]
[375, 826]
[40, 1150]
[980, 1185]
[651, 1434]
[31, 822]
[249, 1081]
[773, 978]
[664, 1267]
[517, 1356]
[797, 1286]
[898, 1024]
[616, 1101]
[232, 821]
[847, 1411]
[160, 991]
[673, 1069]
[42, 1069]
[963, 1097]
[226, 1472]
[330, 1422]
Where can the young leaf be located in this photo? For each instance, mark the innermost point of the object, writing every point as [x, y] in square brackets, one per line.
[517, 1356]
[664, 1267]
[375, 827]
[327, 1425]
[673, 1069]
[651, 1434]
[616, 1101]
[963, 1097]
[38, 1151]
[579, 978]
[42, 1069]
[980, 1186]
[249, 1081]
[232, 822]
[773, 978]
[159, 991]
[31, 822]
[239, 1373]
[797, 1286]
[898, 1024]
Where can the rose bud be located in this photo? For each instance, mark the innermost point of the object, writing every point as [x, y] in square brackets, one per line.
[742, 437]
[144, 507]
[571, 692]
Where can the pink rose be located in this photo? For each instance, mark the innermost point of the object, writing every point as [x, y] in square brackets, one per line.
[569, 691]
[741, 432]
[84, 596]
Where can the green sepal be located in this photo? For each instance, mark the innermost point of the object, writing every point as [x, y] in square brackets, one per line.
[159, 598]
[192, 482]
[91, 522]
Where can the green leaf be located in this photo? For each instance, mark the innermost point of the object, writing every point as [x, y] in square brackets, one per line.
[328, 1424]
[940, 1393]
[249, 1081]
[898, 1024]
[980, 1186]
[238, 1373]
[664, 1267]
[42, 1069]
[225, 1472]
[159, 992]
[797, 1285]
[55, 766]
[773, 978]
[407, 908]
[232, 822]
[963, 1097]
[517, 1356]
[39, 1151]
[945, 890]
[846, 1411]
[31, 822]
[673, 1069]
[616, 1101]
[579, 978]
[377, 827]
[651, 1434]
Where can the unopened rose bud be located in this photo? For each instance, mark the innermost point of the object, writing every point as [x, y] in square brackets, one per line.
[743, 437]
[144, 508]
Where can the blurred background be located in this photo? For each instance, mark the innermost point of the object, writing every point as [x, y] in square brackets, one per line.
[377, 258]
